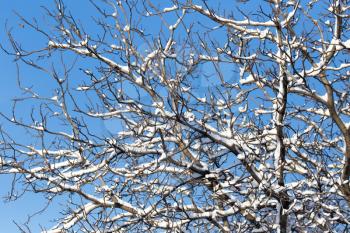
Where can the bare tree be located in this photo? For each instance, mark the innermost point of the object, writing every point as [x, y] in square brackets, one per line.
[227, 117]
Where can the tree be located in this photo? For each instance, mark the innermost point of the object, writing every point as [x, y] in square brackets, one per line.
[223, 116]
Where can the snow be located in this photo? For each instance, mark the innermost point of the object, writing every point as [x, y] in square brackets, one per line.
[139, 81]
[203, 99]
[116, 47]
[189, 116]
[83, 51]
[319, 111]
[168, 9]
[39, 128]
[84, 42]
[263, 33]
[82, 88]
[258, 112]
[243, 109]
[241, 156]
[126, 28]
[324, 97]
[346, 43]
[88, 72]
[148, 59]
[221, 104]
[54, 98]
[185, 89]
[347, 125]
[158, 104]
[248, 80]
[51, 43]
[291, 3]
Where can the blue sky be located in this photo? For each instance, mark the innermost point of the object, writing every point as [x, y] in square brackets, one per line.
[13, 211]
[30, 203]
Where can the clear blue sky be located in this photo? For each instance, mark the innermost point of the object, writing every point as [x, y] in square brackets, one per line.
[30, 203]
[14, 211]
